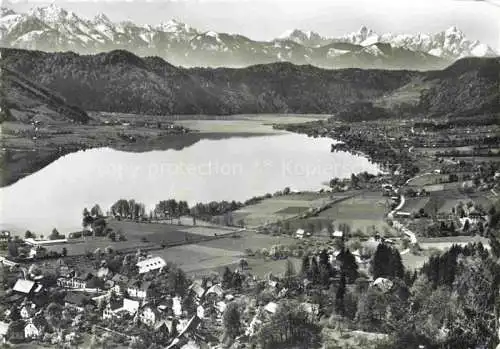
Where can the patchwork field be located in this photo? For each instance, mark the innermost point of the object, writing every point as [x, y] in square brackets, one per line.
[196, 257]
[214, 255]
[251, 240]
[165, 233]
[280, 208]
[90, 245]
[415, 204]
[361, 212]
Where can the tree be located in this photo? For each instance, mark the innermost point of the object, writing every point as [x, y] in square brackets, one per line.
[243, 264]
[289, 273]
[397, 267]
[306, 264]
[290, 326]
[372, 310]
[189, 304]
[178, 282]
[232, 321]
[349, 267]
[324, 259]
[237, 281]
[53, 314]
[29, 235]
[339, 296]
[289, 269]
[13, 249]
[314, 274]
[96, 211]
[227, 278]
[387, 263]
[15, 329]
[55, 235]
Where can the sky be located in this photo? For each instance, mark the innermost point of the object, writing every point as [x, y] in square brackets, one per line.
[266, 19]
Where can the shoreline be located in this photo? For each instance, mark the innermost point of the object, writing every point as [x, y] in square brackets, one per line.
[25, 151]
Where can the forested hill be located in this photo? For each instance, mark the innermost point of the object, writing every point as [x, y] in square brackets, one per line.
[23, 100]
[120, 81]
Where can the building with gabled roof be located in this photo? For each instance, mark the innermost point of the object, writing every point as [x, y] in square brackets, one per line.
[150, 264]
[138, 289]
[24, 286]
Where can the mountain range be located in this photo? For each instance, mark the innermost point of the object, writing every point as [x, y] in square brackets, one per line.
[52, 28]
[119, 81]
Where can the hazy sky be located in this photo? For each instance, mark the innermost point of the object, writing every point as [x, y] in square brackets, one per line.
[265, 19]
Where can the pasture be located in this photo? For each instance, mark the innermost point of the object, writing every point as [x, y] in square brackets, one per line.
[81, 247]
[165, 233]
[280, 208]
[214, 255]
[362, 212]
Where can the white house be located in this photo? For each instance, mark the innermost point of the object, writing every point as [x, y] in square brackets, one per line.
[130, 306]
[271, 307]
[24, 286]
[31, 331]
[299, 234]
[71, 283]
[35, 328]
[177, 306]
[125, 306]
[150, 264]
[28, 310]
[197, 290]
[149, 315]
[138, 289]
[200, 311]
[337, 234]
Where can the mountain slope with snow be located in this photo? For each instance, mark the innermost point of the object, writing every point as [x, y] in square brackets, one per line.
[52, 28]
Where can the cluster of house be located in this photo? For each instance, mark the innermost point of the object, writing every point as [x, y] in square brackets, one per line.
[111, 295]
[301, 234]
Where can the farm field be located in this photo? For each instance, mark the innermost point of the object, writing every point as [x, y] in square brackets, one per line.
[165, 233]
[427, 179]
[279, 208]
[214, 255]
[415, 204]
[81, 247]
[442, 149]
[444, 201]
[360, 212]
[196, 257]
[251, 240]
[412, 262]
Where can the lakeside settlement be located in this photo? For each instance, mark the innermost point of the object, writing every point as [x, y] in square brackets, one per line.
[371, 261]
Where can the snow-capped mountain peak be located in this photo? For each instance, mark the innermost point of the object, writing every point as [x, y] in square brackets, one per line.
[450, 43]
[175, 26]
[101, 18]
[51, 13]
[364, 36]
[4, 11]
[303, 37]
[52, 28]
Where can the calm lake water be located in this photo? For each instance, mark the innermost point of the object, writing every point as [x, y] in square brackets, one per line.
[225, 169]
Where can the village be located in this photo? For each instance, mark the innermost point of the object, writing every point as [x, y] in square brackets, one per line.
[336, 268]
[139, 297]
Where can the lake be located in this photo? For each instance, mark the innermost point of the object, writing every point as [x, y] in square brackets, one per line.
[235, 168]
